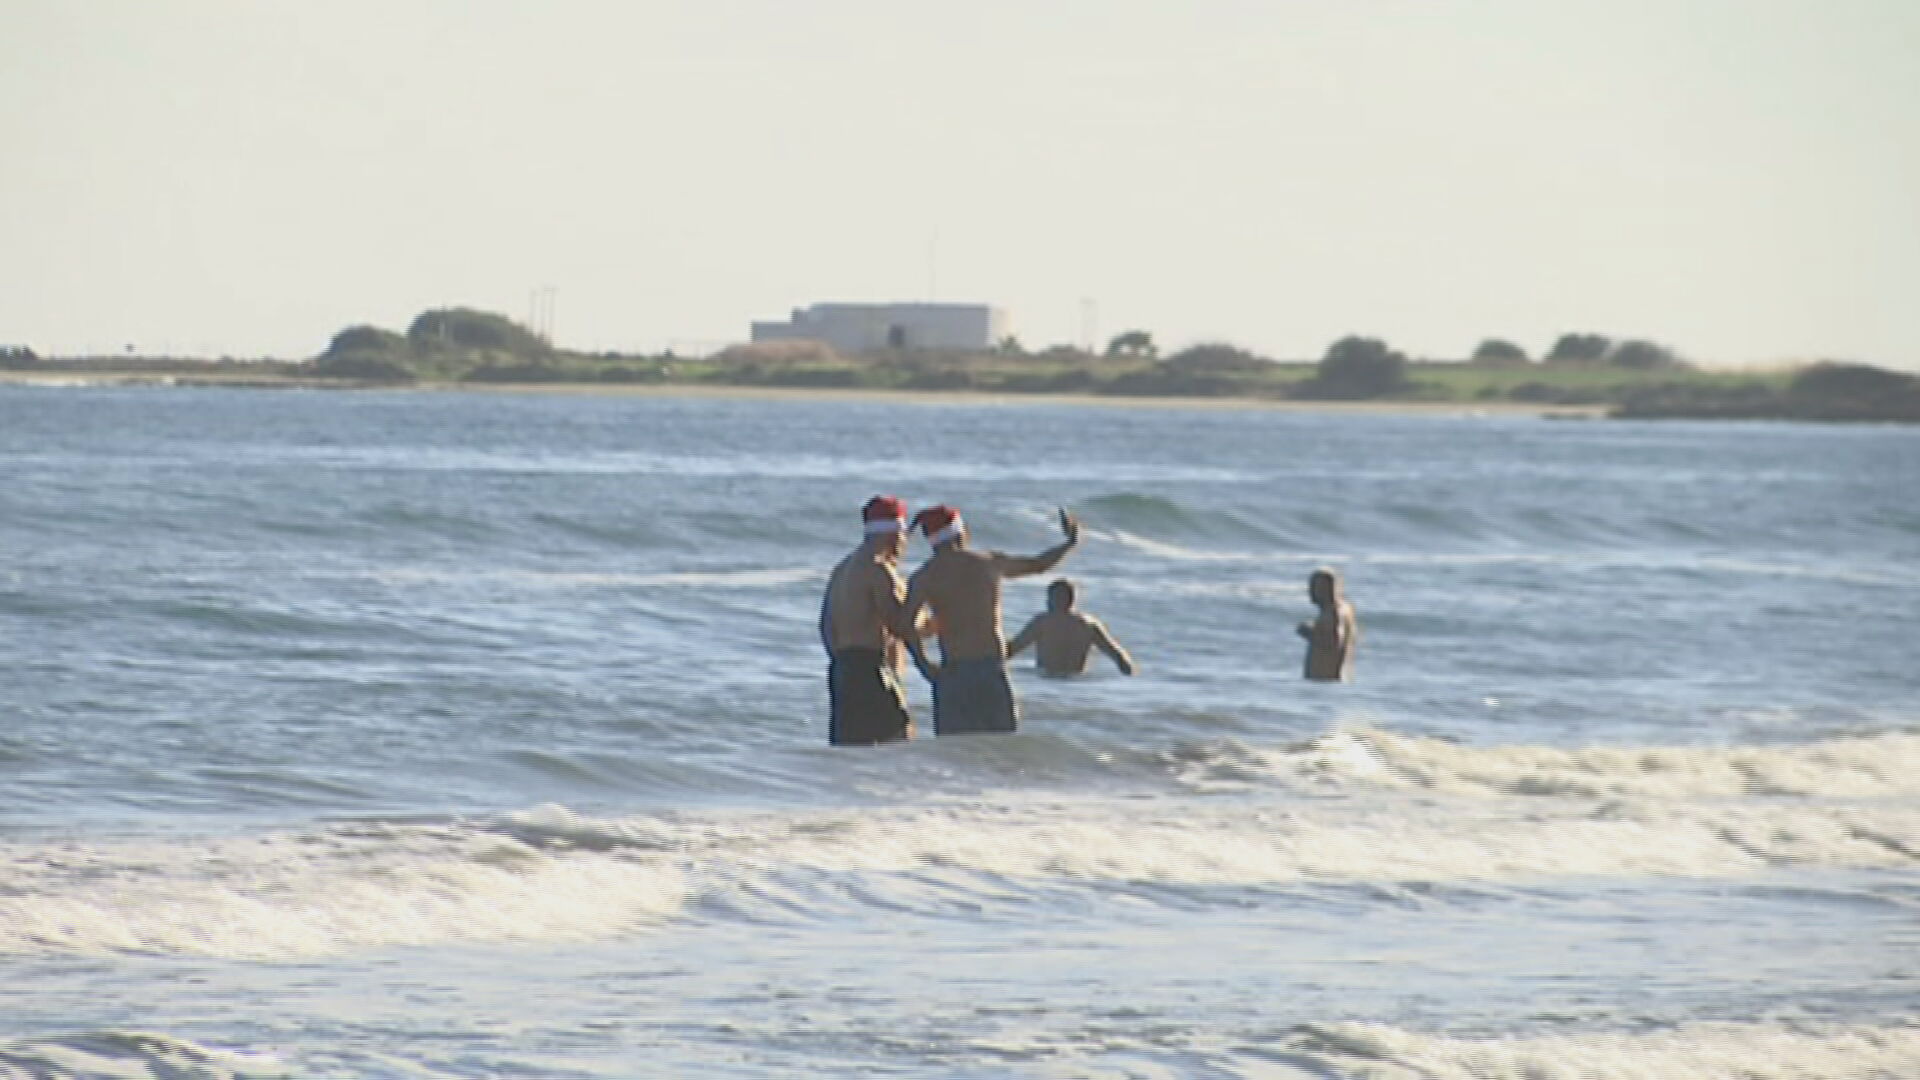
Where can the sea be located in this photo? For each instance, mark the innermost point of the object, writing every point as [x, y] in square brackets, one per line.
[422, 734]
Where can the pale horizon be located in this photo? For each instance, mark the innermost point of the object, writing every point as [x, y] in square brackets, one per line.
[1733, 180]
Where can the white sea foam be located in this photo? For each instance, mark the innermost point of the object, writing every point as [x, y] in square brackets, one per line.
[130, 1055]
[1318, 841]
[1691, 1052]
[1872, 767]
[311, 894]
[1412, 810]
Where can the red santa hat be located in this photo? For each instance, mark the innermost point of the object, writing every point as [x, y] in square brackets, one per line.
[884, 514]
[939, 524]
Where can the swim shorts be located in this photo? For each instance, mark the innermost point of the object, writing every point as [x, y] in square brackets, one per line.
[973, 696]
[867, 705]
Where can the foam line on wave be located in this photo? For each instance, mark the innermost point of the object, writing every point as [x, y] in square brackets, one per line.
[325, 892]
[1881, 766]
[131, 1055]
[548, 874]
[1707, 1051]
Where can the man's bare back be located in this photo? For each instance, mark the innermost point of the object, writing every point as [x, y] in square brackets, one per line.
[1064, 637]
[971, 693]
[962, 587]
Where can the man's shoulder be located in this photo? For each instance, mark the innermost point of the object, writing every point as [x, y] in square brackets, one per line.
[948, 560]
[840, 568]
[876, 566]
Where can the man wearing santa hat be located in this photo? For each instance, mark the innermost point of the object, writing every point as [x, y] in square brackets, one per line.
[962, 587]
[858, 614]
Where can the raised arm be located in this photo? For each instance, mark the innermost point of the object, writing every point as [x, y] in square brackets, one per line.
[1104, 641]
[1027, 565]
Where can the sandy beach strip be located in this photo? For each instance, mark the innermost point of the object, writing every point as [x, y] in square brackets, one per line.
[721, 391]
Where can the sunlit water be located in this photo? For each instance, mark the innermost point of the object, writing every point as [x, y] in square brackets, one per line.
[479, 735]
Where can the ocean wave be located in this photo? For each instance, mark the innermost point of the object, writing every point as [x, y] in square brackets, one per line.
[624, 535]
[1161, 549]
[131, 1055]
[1885, 765]
[1705, 1051]
[759, 578]
[551, 874]
[318, 893]
[1160, 515]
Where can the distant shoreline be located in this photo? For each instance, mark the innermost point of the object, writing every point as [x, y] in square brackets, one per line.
[1821, 393]
[726, 391]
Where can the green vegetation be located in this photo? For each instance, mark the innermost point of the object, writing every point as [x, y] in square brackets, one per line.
[1357, 368]
[1634, 376]
[1135, 343]
[1827, 391]
[1499, 352]
[1631, 377]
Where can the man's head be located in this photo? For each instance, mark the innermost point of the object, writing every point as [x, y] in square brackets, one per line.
[884, 519]
[1060, 595]
[941, 525]
[1324, 587]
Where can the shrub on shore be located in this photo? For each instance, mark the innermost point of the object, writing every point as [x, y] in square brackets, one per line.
[1824, 391]
[1356, 369]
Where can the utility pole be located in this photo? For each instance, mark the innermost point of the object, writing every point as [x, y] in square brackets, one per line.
[933, 267]
[540, 305]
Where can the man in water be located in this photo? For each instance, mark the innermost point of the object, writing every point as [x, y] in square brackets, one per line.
[1065, 636]
[1332, 636]
[962, 587]
[858, 617]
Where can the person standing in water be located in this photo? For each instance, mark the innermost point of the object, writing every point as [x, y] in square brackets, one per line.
[962, 587]
[1332, 636]
[1065, 636]
[859, 615]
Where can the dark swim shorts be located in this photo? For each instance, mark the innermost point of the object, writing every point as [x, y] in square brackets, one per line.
[973, 696]
[867, 704]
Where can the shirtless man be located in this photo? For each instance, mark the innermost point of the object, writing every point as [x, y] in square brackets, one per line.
[858, 616]
[1066, 636]
[962, 587]
[1332, 636]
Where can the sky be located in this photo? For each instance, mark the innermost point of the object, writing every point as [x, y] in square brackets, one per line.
[1736, 179]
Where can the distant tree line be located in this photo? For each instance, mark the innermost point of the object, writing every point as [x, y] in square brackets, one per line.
[447, 342]
[1582, 350]
[1640, 377]
[1828, 391]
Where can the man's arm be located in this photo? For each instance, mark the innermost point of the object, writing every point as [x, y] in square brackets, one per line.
[1027, 565]
[906, 626]
[826, 613]
[1028, 634]
[1112, 648]
[1328, 631]
[884, 590]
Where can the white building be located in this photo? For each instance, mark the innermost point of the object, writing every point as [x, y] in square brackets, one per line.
[859, 328]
